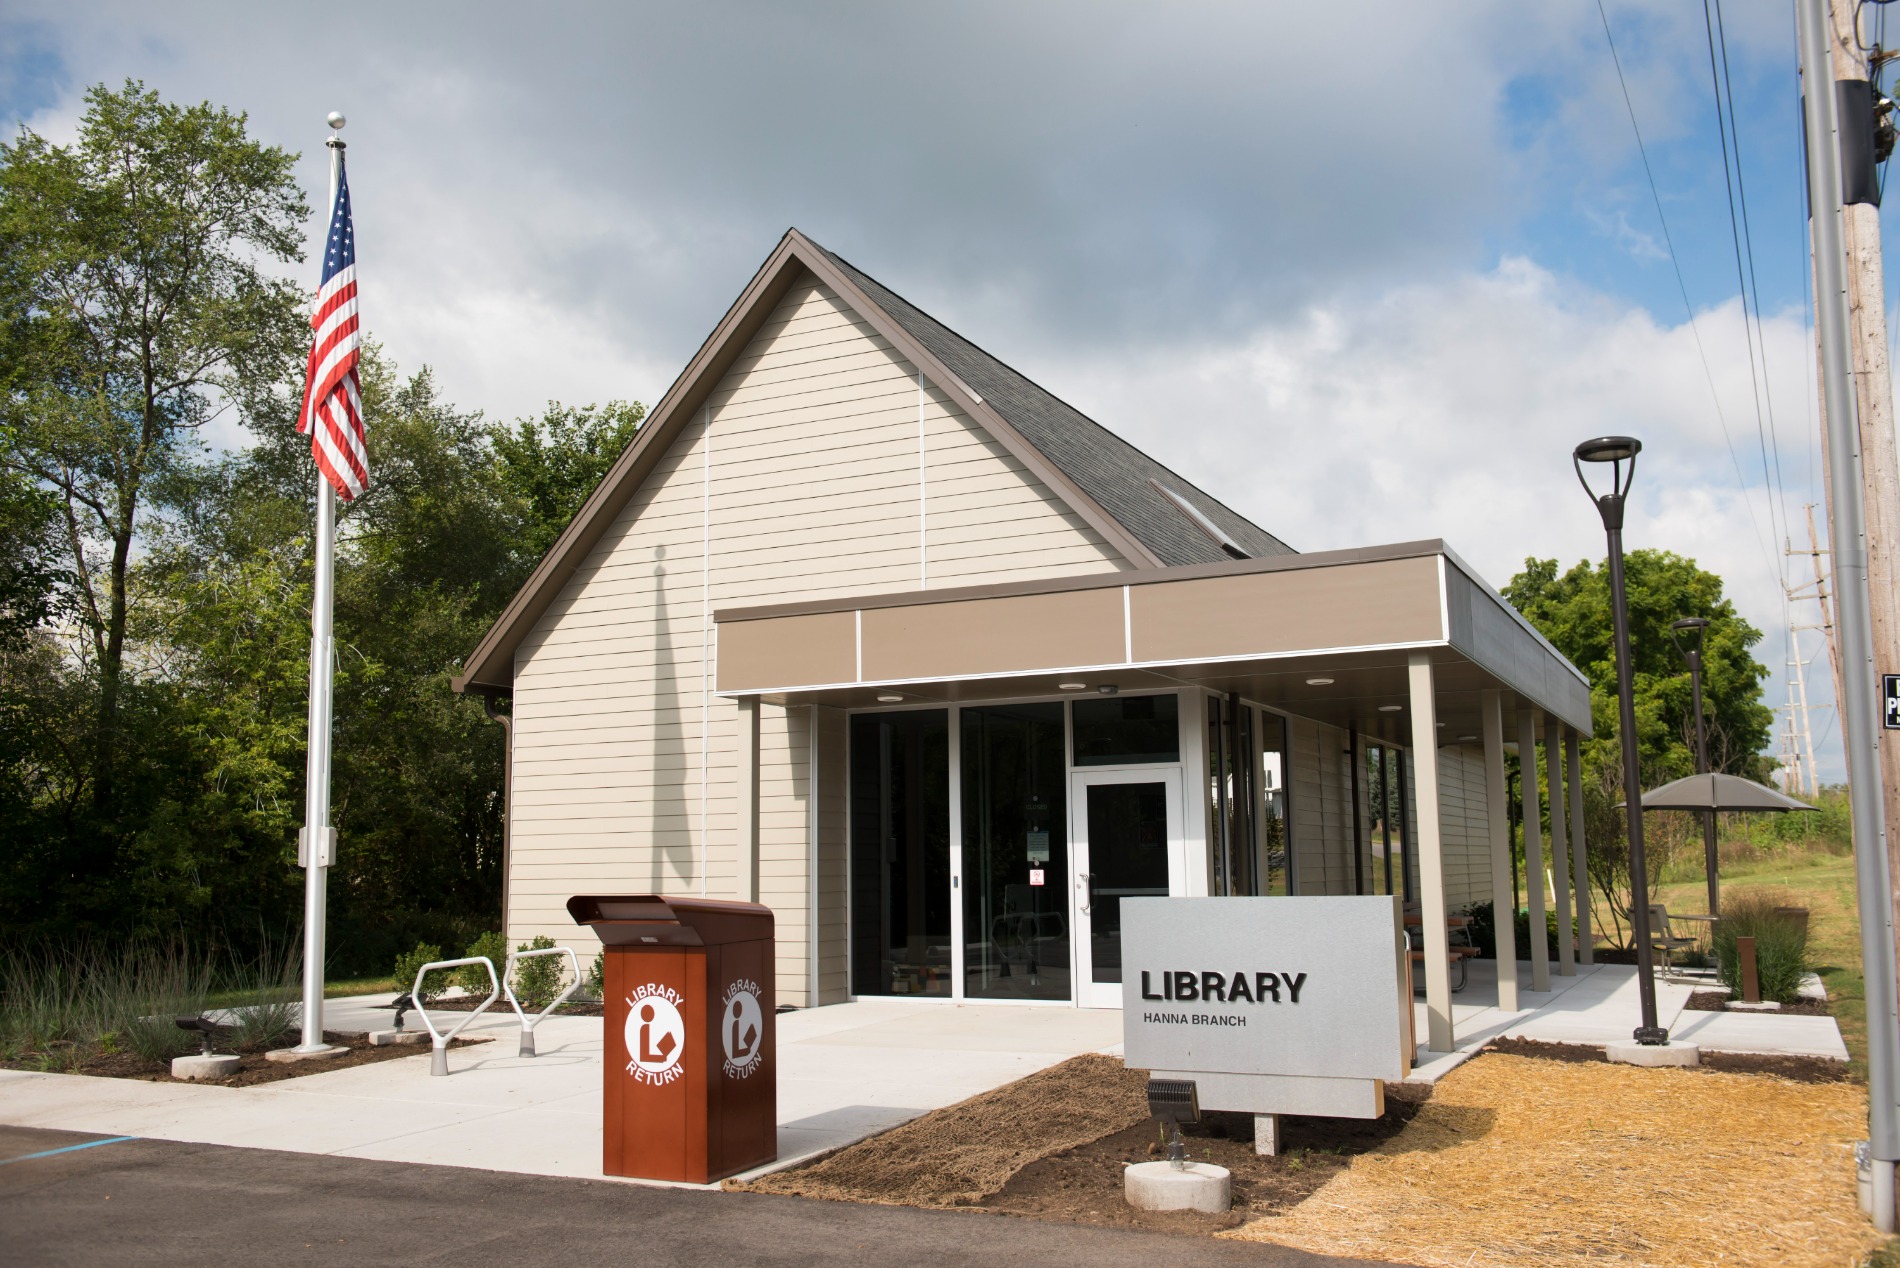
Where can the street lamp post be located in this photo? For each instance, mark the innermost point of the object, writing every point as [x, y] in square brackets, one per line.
[1617, 450]
[1694, 630]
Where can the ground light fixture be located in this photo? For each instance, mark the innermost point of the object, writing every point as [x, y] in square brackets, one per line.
[1688, 635]
[1616, 451]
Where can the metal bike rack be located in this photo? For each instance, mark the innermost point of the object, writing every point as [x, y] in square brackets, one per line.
[508, 978]
[439, 1058]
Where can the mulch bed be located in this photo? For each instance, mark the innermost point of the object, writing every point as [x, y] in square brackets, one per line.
[1717, 1002]
[1053, 1147]
[1794, 1069]
[254, 1067]
[1083, 1185]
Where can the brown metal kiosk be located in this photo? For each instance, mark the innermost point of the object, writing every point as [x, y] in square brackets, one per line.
[691, 1088]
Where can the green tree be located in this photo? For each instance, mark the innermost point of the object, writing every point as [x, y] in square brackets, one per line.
[1572, 610]
[138, 307]
[553, 462]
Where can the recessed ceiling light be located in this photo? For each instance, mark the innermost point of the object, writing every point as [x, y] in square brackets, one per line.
[1390, 708]
[1467, 739]
[1108, 689]
[1439, 725]
[1072, 686]
[1319, 682]
[889, 697]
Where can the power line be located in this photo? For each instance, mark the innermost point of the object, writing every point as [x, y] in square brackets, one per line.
[1732, 136]
[1683, 286]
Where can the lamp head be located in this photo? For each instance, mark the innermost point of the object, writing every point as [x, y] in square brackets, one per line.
[1615, 450]
[1609, 449]
[1691, 629]
[336, 120]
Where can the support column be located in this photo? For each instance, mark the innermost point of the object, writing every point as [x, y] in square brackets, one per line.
[1579, 851]
[1497, 815]
[1431, 856]
[1559, 842]
[1533, 846]
[745, 845]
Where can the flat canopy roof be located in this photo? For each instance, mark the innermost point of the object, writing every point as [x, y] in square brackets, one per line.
[1258, 627]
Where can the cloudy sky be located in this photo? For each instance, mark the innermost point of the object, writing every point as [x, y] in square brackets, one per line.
[1367, 273]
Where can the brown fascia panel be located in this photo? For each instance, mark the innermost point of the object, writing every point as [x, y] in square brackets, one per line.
[1090, 581]
[795, 254]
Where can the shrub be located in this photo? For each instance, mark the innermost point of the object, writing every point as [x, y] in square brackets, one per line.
[473, 978]
[596, 984]
[1781, 943]
[1484, 934]
[407, 964]
[539, 980]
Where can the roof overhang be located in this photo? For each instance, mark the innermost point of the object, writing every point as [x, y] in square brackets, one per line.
[1257, 627]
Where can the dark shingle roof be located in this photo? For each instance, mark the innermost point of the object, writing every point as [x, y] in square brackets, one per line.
[1106, 467]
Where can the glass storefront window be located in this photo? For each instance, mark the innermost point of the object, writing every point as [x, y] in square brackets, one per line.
[1276, 855]
[1230, 796]
[1127, 730]
[1015, 853]
[900, 853]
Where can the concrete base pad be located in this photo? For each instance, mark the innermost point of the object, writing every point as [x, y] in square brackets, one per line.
[199, 1066]
[291, 1054]
[1195, 1186]
[384, 1038]
[1762, 1006]
[1673, 1053]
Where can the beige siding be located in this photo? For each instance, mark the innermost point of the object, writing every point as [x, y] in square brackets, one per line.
[1466, 836]
[818, 467]
[1322, 807]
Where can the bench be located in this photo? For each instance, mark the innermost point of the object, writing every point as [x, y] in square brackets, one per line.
[1457, 954]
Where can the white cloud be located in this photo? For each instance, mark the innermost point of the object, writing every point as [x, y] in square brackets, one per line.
[1450, 410]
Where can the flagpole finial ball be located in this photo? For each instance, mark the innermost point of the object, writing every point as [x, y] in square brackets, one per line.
[337, 120]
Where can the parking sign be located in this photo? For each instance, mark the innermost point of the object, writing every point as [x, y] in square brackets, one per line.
[1890, 701]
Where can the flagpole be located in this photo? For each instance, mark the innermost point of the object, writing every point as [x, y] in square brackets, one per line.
[315, 851]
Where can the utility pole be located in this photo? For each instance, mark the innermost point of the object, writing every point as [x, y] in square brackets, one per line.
[1853, 532]
[1854, 67]
[1820, 595]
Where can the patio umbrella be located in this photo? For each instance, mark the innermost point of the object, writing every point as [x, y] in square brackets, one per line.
[1716, 791]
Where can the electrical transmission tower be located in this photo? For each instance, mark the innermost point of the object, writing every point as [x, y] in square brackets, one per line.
[1797, 744]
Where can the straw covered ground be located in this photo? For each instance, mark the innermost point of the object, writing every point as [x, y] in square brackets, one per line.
[1516, 1161]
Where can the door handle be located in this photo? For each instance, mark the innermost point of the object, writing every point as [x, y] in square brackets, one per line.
[1085, 882]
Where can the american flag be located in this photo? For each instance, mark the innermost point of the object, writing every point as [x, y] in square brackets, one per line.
[332, 411]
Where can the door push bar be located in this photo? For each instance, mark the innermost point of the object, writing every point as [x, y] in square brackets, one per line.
[439, 1058]
[508, 977]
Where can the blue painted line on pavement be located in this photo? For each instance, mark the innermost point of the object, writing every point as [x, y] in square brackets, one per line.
[66, 1149]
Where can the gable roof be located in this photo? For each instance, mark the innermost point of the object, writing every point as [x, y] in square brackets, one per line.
[1120, 492]
[1126, 482]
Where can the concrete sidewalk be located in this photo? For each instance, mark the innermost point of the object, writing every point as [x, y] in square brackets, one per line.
[845, 1072]
[1601, 1003]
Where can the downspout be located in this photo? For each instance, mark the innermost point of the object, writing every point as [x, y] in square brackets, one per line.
[507, 724]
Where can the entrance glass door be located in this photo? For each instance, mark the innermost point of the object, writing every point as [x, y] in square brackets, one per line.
[1125, 827]
[1015, 853]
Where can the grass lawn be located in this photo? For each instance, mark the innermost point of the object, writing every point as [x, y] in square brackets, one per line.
[1824, 884]
[377, 985]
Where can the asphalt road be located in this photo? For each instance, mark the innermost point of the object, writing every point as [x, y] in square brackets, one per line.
[154, 1201]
